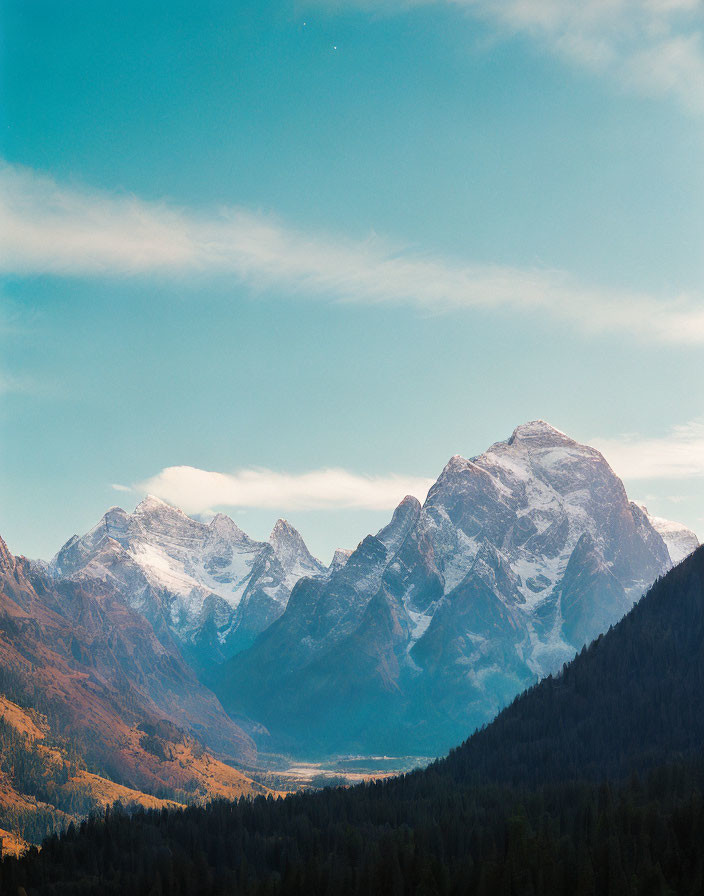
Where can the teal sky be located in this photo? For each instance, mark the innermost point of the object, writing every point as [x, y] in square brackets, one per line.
[298, 237]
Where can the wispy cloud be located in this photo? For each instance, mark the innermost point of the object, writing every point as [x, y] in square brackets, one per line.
[51, 229]
[653, 47]
[11, 384]
[678, 455]
[198, 491]
[14, 384]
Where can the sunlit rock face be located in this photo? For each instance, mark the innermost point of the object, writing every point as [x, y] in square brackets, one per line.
[517, 558]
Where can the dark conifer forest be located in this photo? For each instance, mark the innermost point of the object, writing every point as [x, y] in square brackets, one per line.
[592, 782]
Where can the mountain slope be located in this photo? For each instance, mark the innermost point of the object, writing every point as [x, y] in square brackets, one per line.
[103, 679]
[517, 558]
[589, 783]
[632, 699]
[44, 781]
[211, 586]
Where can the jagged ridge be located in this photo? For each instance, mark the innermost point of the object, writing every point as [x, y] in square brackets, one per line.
[210, 585]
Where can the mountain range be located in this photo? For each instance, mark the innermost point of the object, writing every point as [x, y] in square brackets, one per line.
[210, 586]
[159, 654]
[517, 558]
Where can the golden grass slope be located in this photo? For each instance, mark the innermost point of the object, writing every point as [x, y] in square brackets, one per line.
[184, 761]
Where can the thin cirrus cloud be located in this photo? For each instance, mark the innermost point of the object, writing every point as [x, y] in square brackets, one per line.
[197, 491]
[678, 455]
[11, 384]
[652, 47]
[65, 231]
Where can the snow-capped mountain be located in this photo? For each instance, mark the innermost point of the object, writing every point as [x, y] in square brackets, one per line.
[517, 558]
[211, 585]
[680, 540]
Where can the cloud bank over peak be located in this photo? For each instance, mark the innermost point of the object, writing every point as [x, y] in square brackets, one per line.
[198, 491]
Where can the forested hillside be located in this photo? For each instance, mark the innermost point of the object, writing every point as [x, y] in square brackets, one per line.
[46, 782]
[523, 807]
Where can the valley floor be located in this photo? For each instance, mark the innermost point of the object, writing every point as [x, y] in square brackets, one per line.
[289, 774]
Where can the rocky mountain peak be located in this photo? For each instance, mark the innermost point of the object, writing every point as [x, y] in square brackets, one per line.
[115, 510]
[115, 522]
[339, 559]
[456, 464]
[538, 429]
[153, 505]
[285, 535]
[7, 561]
[291, 550]
[224, 526]
[404, 518]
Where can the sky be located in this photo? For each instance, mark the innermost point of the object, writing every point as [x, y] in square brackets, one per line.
[286, 259]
